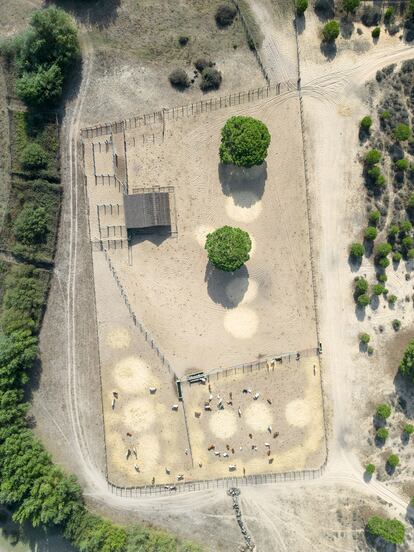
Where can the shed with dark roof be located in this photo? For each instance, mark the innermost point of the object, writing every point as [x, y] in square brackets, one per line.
[147, 211]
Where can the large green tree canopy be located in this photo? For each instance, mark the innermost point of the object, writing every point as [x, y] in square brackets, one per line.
[244, 142]
[228, 248]
[407, 362]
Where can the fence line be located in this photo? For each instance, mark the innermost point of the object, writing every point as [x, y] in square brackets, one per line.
[188, 110]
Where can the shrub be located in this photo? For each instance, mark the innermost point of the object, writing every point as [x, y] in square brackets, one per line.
[405, 227]
[408, 429]
[183, 40]
[376, 32]
[33, 157]
[396, 257]
[349, 6]
[374, 172]
[402, 132]
[393, 230]
[179, 79]
[228, 248]
[392, 299]
[401, 164]
[391, 530]
[378, 289]
[385, 115]
[364, 338]
[361, 286]
[374, 217]
[383, 411]
[301, 6]
[244, 141]
[356, 250]
[330, 31]
[388, 14]
[366, 123]
[373, 157]
[370, 469]
[393, 460]
[383, 249]
[407, 242]
[210, 79]
[410, 254]
[382, 277]
[363, 300]
[370, 233]
[202, 63]
[40, 88]
[396, 324]
[384, 262]
[410, 203]
[31, 225]
[382, 434]
[225, 15]
[370, 350]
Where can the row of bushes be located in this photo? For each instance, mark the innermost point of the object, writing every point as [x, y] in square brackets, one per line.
[210, 76]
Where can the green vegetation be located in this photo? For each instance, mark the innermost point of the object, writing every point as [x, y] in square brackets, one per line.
[382, 277]
[366, 123]
[391, 530]
[405, 226]
[388, 14]
[408, 429]
[370, 469]
[364, 338]
[370, 233]
[330, 31]
[357, 250]
[349, 6]
[373, 157]
[392, 299]
[228, 248]
[376, 31]
[31, 225]
[402, 132]
[378, 289]
[396, 324]
[401, 164]
[225, 14]
[383, 262]
[383, 411]
[393, 230]
[382, 434]
[33, 157]
[374, 217]
[363, 300]
[393, 460]
[361, 285]
[383, 249]
[244, 142]
[370, 350]
[407, 363]
[301, 6]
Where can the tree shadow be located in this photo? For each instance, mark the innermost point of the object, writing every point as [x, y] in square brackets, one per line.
[245, 186]
[378, 544]
[367, 477]
[329, 50]
[300, 23]
[325, 9]
[98, 13]
[360, 313]
[347, 26]
[375, 302]
[226, 288]
[405, 393]
[354, 263]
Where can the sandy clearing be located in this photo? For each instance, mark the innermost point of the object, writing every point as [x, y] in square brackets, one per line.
[298, 413]
[241, 323]
[119, 338]
[259, 417]
[223, 424]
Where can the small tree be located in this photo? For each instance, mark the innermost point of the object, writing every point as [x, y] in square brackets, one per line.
[179, 79]
[349, 6]
[370, 469]
[210, 79]
[401, 164]
[363, 300]
[393, 461]
[383, 411]
[370, 233]
[225, 15]
[41, 87]
[364, 338]
[330, 31]
[357, 250]
[372, 157]
[31, 225]
[301, 6]
[202, 63]
[393, 230]
[374, 217]
[382, 434]
[376, 31]
[392, 299]
[228, 248]
[408, 429]
[361, 286]
[391, 530]
[405, 227]
[33, 157]
[407, 363]
[366, 123]
[244, 142]
[378, 289]
[402, 132]
[384, 262]
[383, 249]
[396, 324]
[382, 277]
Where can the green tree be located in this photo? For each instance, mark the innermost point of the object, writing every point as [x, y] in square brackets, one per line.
[357, 250]
[244, 142]
[391, 530]
[301, 6]
[41, 87]
[17, 355]
[407, 362]
[408, 429]
[376, 31]
[374, 217]
[378, 289]
[373, 157]
[228, 248]
[349, 6]
[405, 227]
[382, 433]
[364, 338]
[366, 123]
[33, 157]
[370, 233]
[361, 286]
[383, 249]
[393, 230]
[370, 469]
[392, 299]
[393, 460]
[383, 411]
[31, 225]
[401, 164]
[363, 300]
[330, 31]
[402, 132]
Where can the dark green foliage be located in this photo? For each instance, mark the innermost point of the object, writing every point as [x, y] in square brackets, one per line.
[370, 233]
[141, 538]
[393, 460]
[407, 363]
[17, 355]
[393, 230]
[210, 79]
[366, 123]
[378, 289]
[383, 249]
[179, 79]
[373, 157]
[301, 6]
[391, 530]
[91, 533]
[401, 164]
[405, 227]
[330, 31]
[42, 87]
[244, 142]
[357, 250]
[228, 248]
[388, 14]
[376, 32]
[33, 157]
[383, 411]
[225, 15]
[363, 300]
[408, 429]
[392, 299]
[402, 132]
[383, 262]
[361, 286]
[382, 277]
[396, 324]
[385, 115]
[364, 338]
[349, 6]
[374, 217]
[370, 469]
[382, 434]
[31, 225]
[407, 242]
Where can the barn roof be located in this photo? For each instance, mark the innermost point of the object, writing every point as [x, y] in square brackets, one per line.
[147, 210]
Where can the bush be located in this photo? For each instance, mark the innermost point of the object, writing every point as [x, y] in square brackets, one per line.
[228, 248]
[210, 79]
[366, 123]
[396, 324]
[183, 40]
[374, 172]
[31, 225]
[393, 460]
[33, 157]
[407, 362]
[179, 79]
[383, 249]
[370, 469]
[202, 63]
[392, 299]
[376, 32]
[349, 6]
[374, 217]
[385, 115]
[330, 31]
[405, 227]
[410, 254]
[244, 142]
[401, 164]
[383, 411]
[384, 262]
[363, 300]
[382, 277]
[408, 429]
[378, 289]
[402, 132]
[301, 6]
[361, 286]
[364, 338]
[40, 88]
[370, 233]
[388, 14]
[373, 157]
[357, 250]
[396, 257]
[407, 242]
[391, 530]
[382, 434]
[410, 203]
[225, 15]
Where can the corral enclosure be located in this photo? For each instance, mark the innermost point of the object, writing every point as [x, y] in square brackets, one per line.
[194, 317]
